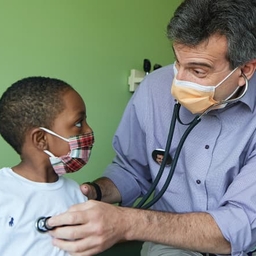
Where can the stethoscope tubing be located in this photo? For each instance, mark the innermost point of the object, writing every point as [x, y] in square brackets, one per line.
[195, 121]
[175, 117]
[191, 126]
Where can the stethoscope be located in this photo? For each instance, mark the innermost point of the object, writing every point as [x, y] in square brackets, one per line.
[41, 223]
[143, 204]
[191, 125]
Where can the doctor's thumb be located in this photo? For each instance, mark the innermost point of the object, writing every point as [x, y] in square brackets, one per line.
[85, 189]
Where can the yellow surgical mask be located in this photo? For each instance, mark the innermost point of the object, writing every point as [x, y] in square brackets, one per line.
[195, 97]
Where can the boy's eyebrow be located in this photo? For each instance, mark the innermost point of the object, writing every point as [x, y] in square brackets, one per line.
[80, 114]
[202, 64]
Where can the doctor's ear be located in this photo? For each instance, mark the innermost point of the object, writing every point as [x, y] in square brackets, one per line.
[38, 138]
[248, 70]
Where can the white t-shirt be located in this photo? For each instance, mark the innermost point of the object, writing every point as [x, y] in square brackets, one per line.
[22, 202]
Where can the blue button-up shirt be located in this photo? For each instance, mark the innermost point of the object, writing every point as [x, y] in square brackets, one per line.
[216, 170]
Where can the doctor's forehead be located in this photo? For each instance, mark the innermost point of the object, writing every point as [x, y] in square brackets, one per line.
[209, 51]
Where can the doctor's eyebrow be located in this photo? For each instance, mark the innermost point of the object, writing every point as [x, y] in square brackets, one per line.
[198, 64]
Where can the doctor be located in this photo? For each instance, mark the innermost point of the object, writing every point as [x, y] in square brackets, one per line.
[210, 204]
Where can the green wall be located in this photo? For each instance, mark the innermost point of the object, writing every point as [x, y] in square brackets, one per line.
[91, 44]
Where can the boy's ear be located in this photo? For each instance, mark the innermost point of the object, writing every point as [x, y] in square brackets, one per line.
[248, 69]
[39, 138]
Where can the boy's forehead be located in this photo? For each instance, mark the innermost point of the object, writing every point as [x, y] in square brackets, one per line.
[74, 104]
[74, 111]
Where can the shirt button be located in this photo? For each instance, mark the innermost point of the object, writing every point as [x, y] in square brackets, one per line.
[198, 181]
[206, 146]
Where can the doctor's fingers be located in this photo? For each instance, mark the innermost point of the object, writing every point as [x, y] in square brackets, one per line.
[67, 218]
[88, 219]
[84, 247]
[69, 233]
[74, 216]
[87, 239]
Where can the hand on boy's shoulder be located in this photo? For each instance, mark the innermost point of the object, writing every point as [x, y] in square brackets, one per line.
[87, 190]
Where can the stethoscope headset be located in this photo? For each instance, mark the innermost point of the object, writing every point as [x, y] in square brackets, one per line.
[144, 203]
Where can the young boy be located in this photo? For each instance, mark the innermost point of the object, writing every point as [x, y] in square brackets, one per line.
[44, 120]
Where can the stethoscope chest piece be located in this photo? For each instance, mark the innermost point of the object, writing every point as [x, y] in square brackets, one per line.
[41, 224]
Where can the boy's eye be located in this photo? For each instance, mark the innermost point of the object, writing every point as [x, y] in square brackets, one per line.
[79, 124]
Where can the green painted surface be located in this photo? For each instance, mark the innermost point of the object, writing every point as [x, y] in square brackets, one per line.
[91, 44]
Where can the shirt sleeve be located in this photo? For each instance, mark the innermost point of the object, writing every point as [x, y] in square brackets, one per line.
[237, 213]
[129, 169]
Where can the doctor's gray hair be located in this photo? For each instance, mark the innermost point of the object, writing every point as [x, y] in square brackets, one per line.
[195, 21]
[30, 103]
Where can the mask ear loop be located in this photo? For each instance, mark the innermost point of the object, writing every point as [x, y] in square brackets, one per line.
[53, 133]
[243, 92]
[49, 153]
[230, 100]
[223, 80]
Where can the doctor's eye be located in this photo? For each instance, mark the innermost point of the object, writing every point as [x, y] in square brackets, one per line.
[199, 72]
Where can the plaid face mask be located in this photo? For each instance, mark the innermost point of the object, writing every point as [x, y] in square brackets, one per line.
[80, 151]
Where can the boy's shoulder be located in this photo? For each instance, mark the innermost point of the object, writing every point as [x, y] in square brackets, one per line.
[68, 181]
[73, 188]
[5, 171]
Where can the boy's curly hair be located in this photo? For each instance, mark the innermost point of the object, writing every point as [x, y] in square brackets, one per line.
[29, 103]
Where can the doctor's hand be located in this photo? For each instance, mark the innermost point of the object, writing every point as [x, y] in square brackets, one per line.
[88, 190]
[102, 189]
[89, 228]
